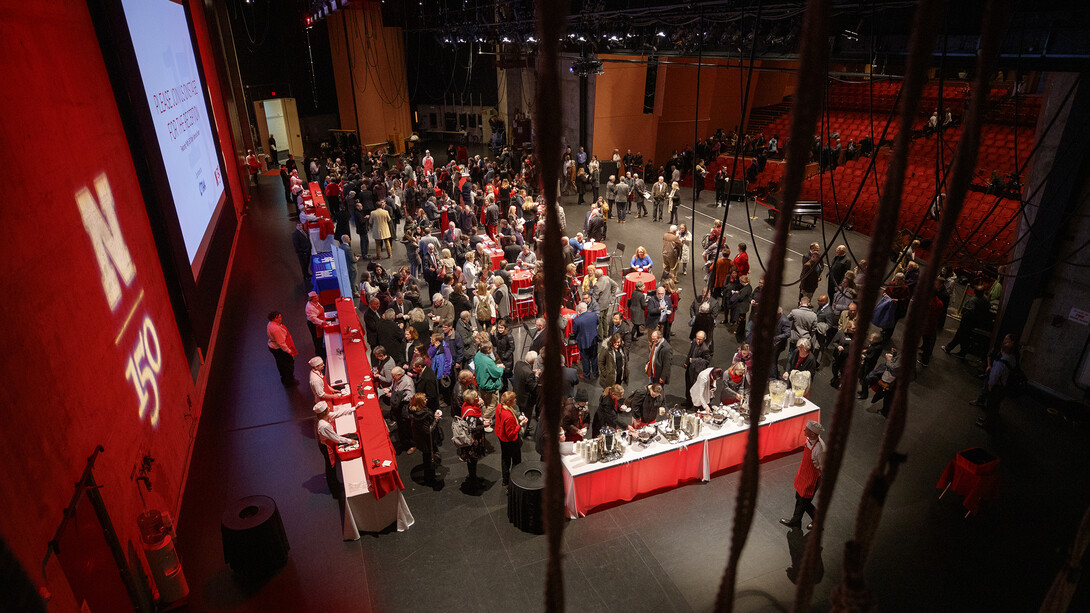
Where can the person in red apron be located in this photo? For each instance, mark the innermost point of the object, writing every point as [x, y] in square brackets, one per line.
[808, 476]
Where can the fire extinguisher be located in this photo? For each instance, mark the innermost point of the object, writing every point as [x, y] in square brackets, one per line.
[157, 536]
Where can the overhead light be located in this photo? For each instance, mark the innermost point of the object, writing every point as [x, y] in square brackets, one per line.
[581, 39]
[614, 38]
[661, 34]
[505, 39]
[531, 40]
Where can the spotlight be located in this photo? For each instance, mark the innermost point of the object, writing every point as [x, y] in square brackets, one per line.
[661, 34]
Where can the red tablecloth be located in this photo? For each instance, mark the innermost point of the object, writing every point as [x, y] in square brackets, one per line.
[630, 281]
[315, 205]
[571, 350]
[974, 474]
[591, 253]
[495, 252]
[519, 280]
[374, 438]
[698, 459]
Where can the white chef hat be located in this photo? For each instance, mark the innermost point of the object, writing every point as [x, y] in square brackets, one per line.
[320, 407]
[316, 361]
[815, 427]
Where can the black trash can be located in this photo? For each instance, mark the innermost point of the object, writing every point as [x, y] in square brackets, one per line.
[524, 497]
[254, 541]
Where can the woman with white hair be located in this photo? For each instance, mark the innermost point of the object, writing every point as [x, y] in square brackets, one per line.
[802, 359]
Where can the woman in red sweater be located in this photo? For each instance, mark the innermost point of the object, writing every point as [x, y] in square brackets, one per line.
[508, 424]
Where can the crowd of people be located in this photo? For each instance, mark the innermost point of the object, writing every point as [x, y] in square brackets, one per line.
[446, 340]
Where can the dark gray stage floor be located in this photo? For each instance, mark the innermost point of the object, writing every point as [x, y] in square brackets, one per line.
[663, 552]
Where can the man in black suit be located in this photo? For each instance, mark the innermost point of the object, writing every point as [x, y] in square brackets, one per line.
[300, 242]
[426, 383]
[537, 335]
[392, 337]
[524, 380]
[370, 322]
[660, 360]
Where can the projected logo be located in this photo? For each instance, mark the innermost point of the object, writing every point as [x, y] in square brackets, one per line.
[117, 275]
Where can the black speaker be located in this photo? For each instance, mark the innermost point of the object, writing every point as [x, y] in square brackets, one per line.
[649, 84]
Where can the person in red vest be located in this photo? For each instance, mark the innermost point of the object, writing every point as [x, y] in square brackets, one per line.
[808, 476]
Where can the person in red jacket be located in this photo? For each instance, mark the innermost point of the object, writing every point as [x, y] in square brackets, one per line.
[508, 425]
[741, 261]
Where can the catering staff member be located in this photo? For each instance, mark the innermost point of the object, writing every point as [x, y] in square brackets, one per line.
[318, 385]
[808, 476]
[700, 394]
[609, 410]
[328, 439]
[315, 313]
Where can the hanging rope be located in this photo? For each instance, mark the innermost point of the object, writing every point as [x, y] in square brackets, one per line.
[547, 126]
[852, 590]
[813, 49]
[924, 32]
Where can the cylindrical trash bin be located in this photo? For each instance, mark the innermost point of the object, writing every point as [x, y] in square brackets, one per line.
[254, 542]
[524, 497]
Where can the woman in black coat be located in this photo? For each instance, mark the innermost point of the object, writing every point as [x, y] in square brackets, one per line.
[608, 414]
[637, 310]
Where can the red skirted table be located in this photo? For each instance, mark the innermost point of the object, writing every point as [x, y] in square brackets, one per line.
[974, 474]
[521, 279]
[372, 483]
[630, 281]
[495, 252]
[591, 253]
[664, 465]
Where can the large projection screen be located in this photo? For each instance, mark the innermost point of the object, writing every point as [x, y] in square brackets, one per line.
[168, 67]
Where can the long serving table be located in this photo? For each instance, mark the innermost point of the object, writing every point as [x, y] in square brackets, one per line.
[664, 465]
[373, 498]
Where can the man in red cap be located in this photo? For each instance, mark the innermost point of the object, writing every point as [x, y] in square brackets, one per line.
[808, 476]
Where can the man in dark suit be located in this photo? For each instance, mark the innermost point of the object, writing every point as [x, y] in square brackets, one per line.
[370, 322]
[426, 383]
[584, 329]
[660, 360]
[524, 380]
[300, 242]
[537, 335]
[391, 336]
[698, 358]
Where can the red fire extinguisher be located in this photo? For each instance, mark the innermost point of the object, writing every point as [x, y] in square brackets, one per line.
[157, 536]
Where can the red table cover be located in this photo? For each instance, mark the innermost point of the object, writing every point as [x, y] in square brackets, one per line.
[494, 252]
[974, 474]
[316, 205]
[685, 463]
[630, 281]
[374, 438]
[591, 253]
[519, 280]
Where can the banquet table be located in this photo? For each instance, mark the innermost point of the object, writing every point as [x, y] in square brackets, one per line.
[321, 230]
[591, 253]
[630, 281]
[665, 465]
[521, 279]
[494, 251]
[371, 480]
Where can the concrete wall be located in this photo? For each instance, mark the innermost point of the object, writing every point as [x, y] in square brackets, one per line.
[1054, 344]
